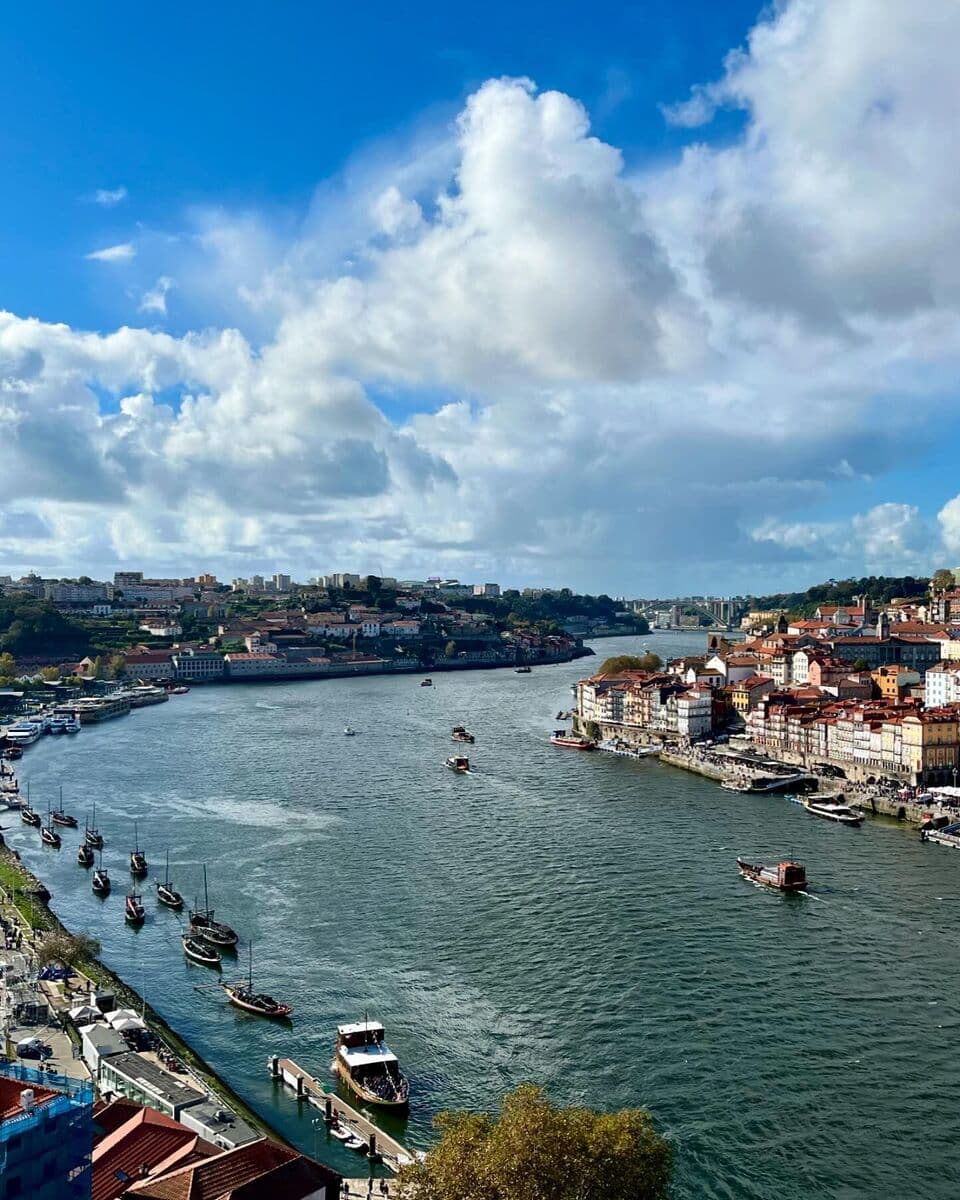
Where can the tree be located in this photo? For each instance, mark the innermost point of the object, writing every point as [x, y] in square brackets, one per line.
[8, 665]
[861, 665]
[535, 1148]
[450, 650]
[117, 666]
[631, 662]
[68, 949]
[97, 670]
[943, 581]
[50, 674]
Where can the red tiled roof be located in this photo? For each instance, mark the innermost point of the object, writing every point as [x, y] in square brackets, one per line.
[10, 1090]
[109, 1115]
[294, 1180]
[217, 1177]
[147, 1140]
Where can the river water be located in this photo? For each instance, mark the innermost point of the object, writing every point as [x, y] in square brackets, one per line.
[573, 919]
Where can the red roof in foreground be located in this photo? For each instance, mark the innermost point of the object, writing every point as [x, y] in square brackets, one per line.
[217, 1177]
[148, 1140]
[10, 1090]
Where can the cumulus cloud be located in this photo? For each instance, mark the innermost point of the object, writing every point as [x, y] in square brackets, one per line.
[109, 197]
[121, 252]
[517, 356]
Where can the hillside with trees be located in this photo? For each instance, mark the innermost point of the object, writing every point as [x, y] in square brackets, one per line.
[880, 588]
[33, 627]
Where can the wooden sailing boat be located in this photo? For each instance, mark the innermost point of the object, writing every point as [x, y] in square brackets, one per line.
[243, 996]
[202, 922]
[84, 855]
[138, 860]
[101, 879]
[91, 835]
[59, 817]
[48, 835]
[27, 815]
[199, 952]
[166, 892]
[133, 910]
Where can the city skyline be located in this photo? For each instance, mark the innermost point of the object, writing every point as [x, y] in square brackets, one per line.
[629, 308]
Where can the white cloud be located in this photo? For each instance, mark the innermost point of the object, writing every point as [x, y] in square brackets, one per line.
[109, 197]
[154, 300]
[614, 380]
[122, 252]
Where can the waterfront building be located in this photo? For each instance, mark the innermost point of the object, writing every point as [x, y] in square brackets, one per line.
[403, 627]
[942, 684]
[46, 1135]
[198, 666]
[140, 1078]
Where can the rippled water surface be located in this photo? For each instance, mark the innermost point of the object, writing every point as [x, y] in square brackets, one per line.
[568, 918]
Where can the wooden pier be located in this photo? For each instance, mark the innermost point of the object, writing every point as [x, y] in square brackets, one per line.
[380, 1146]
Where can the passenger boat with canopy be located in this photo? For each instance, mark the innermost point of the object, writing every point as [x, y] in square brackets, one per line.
[786, 876]
[368, 1067]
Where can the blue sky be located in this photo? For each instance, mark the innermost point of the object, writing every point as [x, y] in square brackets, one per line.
[677, 313]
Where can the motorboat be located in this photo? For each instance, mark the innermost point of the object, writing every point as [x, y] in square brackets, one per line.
[13, 753]
[832, 810]
[259, 1003]
[786, 876]
[426, 683]
[84, 855]
[341, 1134]
[58, 724]
[59, 817]
[524, 670]
[731, 785]
[349, 732]
[572, 741]
[138, 860]
[167, 894]
[133, 910]
[180, 690]
[459, 734]
[355, 1142]
[72, 725]
[199, 952]
[203, 924]
[368, 1067]
[459, 763]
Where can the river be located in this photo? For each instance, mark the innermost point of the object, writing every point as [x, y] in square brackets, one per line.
[573, 919]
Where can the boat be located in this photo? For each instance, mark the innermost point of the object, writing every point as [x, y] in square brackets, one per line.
[521, 670]
[203, 925]
[138, 860]
[731, 785]
[91, 835]
[166, 893]
[787, 876]
[101, 879]
[59, 817]
[341, 1134]
[426, 683]
[572, 741]
[84, 855]
[72, 725]
[459, 763]
[459, 734]
[180, 690]
[843, 814]
[355, 1142]
[27, 814]
[199, 952]
[348, 732]
[48, 835]
[368, 1067]
[259, 1003]
[13, 753]
[133, 910]
[24, 733]
[58, 724]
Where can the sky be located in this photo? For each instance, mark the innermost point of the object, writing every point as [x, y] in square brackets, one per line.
[649, 299]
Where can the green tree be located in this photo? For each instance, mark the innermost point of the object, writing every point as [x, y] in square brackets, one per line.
[97, 671]
[631, 662]
[117, 666]
[450, 650]
[50, 674]
[8, 665]
[67, 949]
[861, 665]
[942, 581]
[536, 1150]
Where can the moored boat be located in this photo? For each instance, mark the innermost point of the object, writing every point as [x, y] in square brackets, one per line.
[831, 810]
[572, 741]
[59, 817]
[13, 753]
[459, 763]
[459, 734]
[133, 910]
[787, 876]
[138, 860]
[368, 1067]
[84, 855]
[167, 894]
[524, 670]
[91, 835]
[199, 952]
[101, 879]
[29, 817]
[203, 924]
[50, 837]
[259, 1003]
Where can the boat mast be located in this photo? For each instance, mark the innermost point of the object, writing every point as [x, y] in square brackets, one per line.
[206, 898]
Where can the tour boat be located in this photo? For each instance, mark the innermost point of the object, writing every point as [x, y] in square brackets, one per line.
[843, 814]
[426, 683]
[59, 817]
[459, 734]
[133, 910]
[786, 876]
[138, 860]
[24, 733]
[84, 855]
[458, 762]
[200, 952]
[101, 879]
[58, 725]
[72, 725]
[573, 741]
[259, 1003]
[367, 1066]
[203, 925]
[731, 785]
[166, 893]
[522, 670]
[91, 835]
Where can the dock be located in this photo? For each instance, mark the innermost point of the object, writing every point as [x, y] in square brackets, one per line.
[380, 1145]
